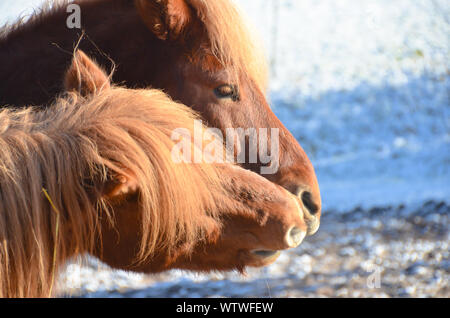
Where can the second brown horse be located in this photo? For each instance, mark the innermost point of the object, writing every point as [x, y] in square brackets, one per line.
[113, 190]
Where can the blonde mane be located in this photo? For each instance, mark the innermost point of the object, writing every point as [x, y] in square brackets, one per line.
[233, 39]
[68, 150]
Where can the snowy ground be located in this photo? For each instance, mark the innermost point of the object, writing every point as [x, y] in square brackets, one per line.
[364, 86]
[382, 252]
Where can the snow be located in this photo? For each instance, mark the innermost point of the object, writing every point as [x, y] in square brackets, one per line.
[364, 86]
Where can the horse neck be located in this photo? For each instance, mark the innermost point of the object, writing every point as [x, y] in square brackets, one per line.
[37, 54]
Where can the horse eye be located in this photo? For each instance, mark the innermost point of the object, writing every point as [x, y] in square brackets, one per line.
[227, 91]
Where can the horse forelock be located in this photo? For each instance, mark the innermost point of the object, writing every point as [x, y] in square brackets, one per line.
[233, 40]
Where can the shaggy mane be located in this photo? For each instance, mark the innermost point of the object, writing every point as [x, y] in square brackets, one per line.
[68, 150]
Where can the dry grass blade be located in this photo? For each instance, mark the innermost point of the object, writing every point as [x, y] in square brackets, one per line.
[56, 239]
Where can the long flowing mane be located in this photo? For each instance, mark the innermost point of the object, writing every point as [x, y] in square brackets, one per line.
[67, 150]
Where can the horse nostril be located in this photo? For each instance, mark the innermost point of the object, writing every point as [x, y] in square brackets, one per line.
[309, 203]
[295, 236]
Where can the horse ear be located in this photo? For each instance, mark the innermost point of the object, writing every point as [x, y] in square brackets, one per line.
[85, 76]
[165, 18]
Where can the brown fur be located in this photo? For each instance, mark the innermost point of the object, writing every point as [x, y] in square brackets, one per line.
[188, 48]
[192, 216]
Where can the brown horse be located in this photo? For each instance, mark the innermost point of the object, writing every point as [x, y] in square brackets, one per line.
[86, 175]
[201, 52]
